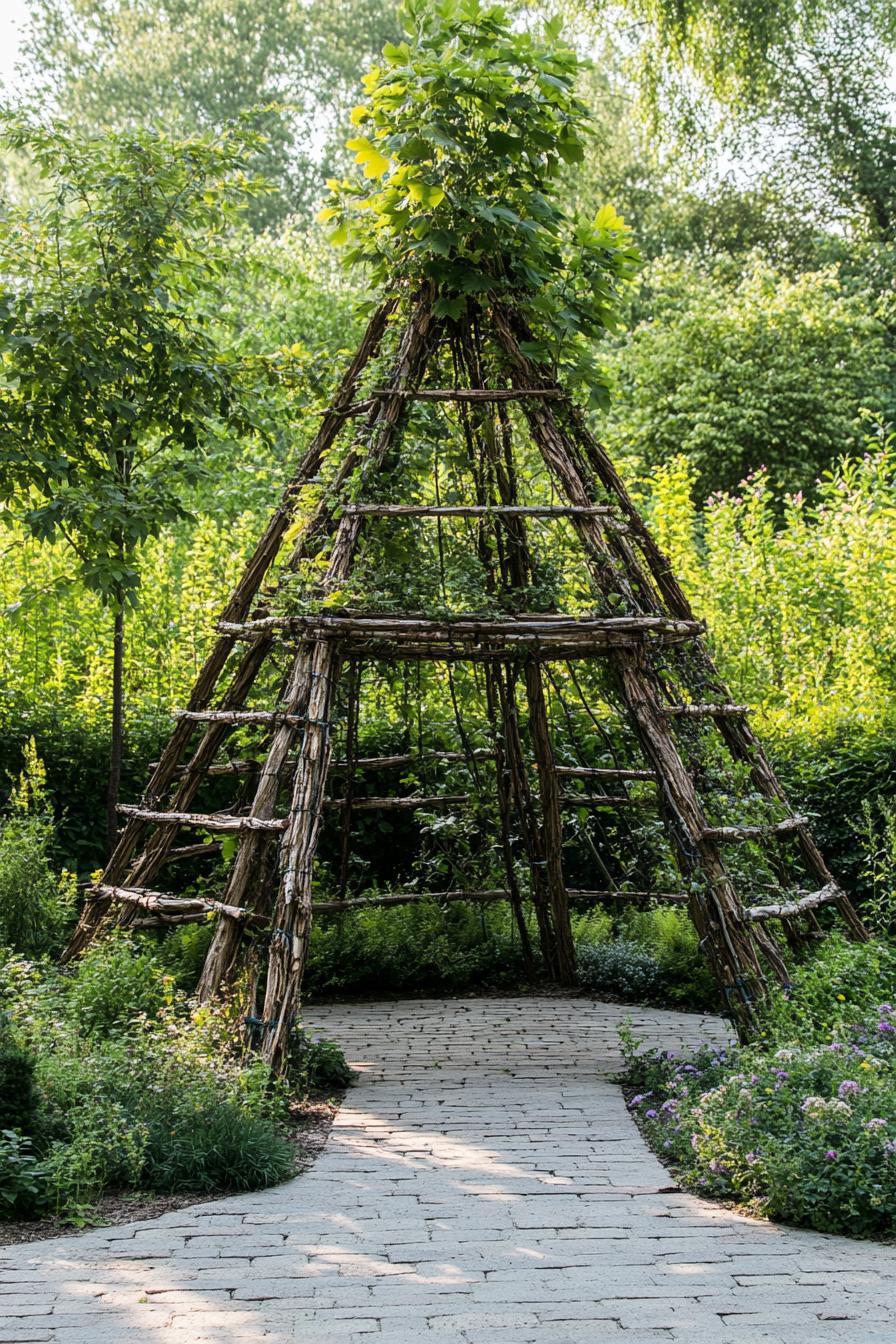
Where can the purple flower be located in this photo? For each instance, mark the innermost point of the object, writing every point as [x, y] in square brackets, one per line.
[651, 1114]
[886, 1027]
[669, 1106]
[890, 1147]
[886, 1009]
[695, 1141]
[876, 1123]
[831, 1155]
[636, 1101]
[847, 1087]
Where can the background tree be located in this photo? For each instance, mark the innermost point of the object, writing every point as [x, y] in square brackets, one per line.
[189, 66]
[112, 389]
[740, 367]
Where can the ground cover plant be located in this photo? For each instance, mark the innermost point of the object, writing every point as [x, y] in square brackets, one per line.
[800, 1125]
[112, 1078]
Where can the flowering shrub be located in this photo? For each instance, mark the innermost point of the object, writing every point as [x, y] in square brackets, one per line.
[801, 1132]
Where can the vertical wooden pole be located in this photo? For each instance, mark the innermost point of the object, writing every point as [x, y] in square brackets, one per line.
[551, 824]
[353, 693]
[505, 809]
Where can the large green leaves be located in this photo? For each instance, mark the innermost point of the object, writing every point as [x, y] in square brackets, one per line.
[468, 124]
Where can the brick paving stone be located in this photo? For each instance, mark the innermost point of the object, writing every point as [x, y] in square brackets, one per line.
[483, 1183]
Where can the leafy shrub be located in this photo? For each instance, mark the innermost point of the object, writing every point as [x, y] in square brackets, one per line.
[877, 830]
[805, 1133]
[18, 1102]
[413, 947]
[22, 1177]
[157, 1109]
[34, 902]
[218, 1146]
[802, 1125]
[116, 982]
[840, 983]
[136, 1087]
[669, 936]
[764, 372]
[622, 968]
[316, 1063]
[183, 953]
[591, 926]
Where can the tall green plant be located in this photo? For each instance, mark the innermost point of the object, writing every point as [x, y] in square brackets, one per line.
[112, 387]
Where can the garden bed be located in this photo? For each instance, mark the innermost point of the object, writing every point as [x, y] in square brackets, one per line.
[310, 1122]
[799, 1126]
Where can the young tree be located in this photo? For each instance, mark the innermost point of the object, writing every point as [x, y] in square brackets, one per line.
[111, 388]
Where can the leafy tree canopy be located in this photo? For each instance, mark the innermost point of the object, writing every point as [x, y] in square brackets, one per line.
[110, 384]
[468, 125]
[190, 66]
[752, 371]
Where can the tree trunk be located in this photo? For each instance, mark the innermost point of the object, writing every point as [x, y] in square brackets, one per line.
[117, 749]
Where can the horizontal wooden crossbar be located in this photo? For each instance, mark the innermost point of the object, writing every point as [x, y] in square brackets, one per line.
[604, 800]
[207, 821]
[600, 772]
[737, 833]
[543, 630]
[479, 510]
[787, 909]
[270, 718]
[705, 711]
[413, 758]
[194, 851]
[409, 898]
[675, 897]
[398, 804]
[484, 897]
[471, 393]
[163, 905]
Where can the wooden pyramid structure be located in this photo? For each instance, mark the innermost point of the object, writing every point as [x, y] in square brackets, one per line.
[413, 537]
[639, 628]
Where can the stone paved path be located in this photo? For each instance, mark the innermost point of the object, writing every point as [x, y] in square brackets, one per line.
[484, 1183]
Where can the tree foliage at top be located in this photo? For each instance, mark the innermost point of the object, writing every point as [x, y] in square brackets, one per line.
[111, 386]
[468, 125]
[188, 66]
[815, 74]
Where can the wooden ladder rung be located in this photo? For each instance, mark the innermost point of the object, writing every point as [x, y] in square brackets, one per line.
[735, 833]
[604, 800]
[470, 393]
[162, 903]
[787, 909]
[710, 711]
[238, 716]
[599, 772]
[208, 822]
[398, 804]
